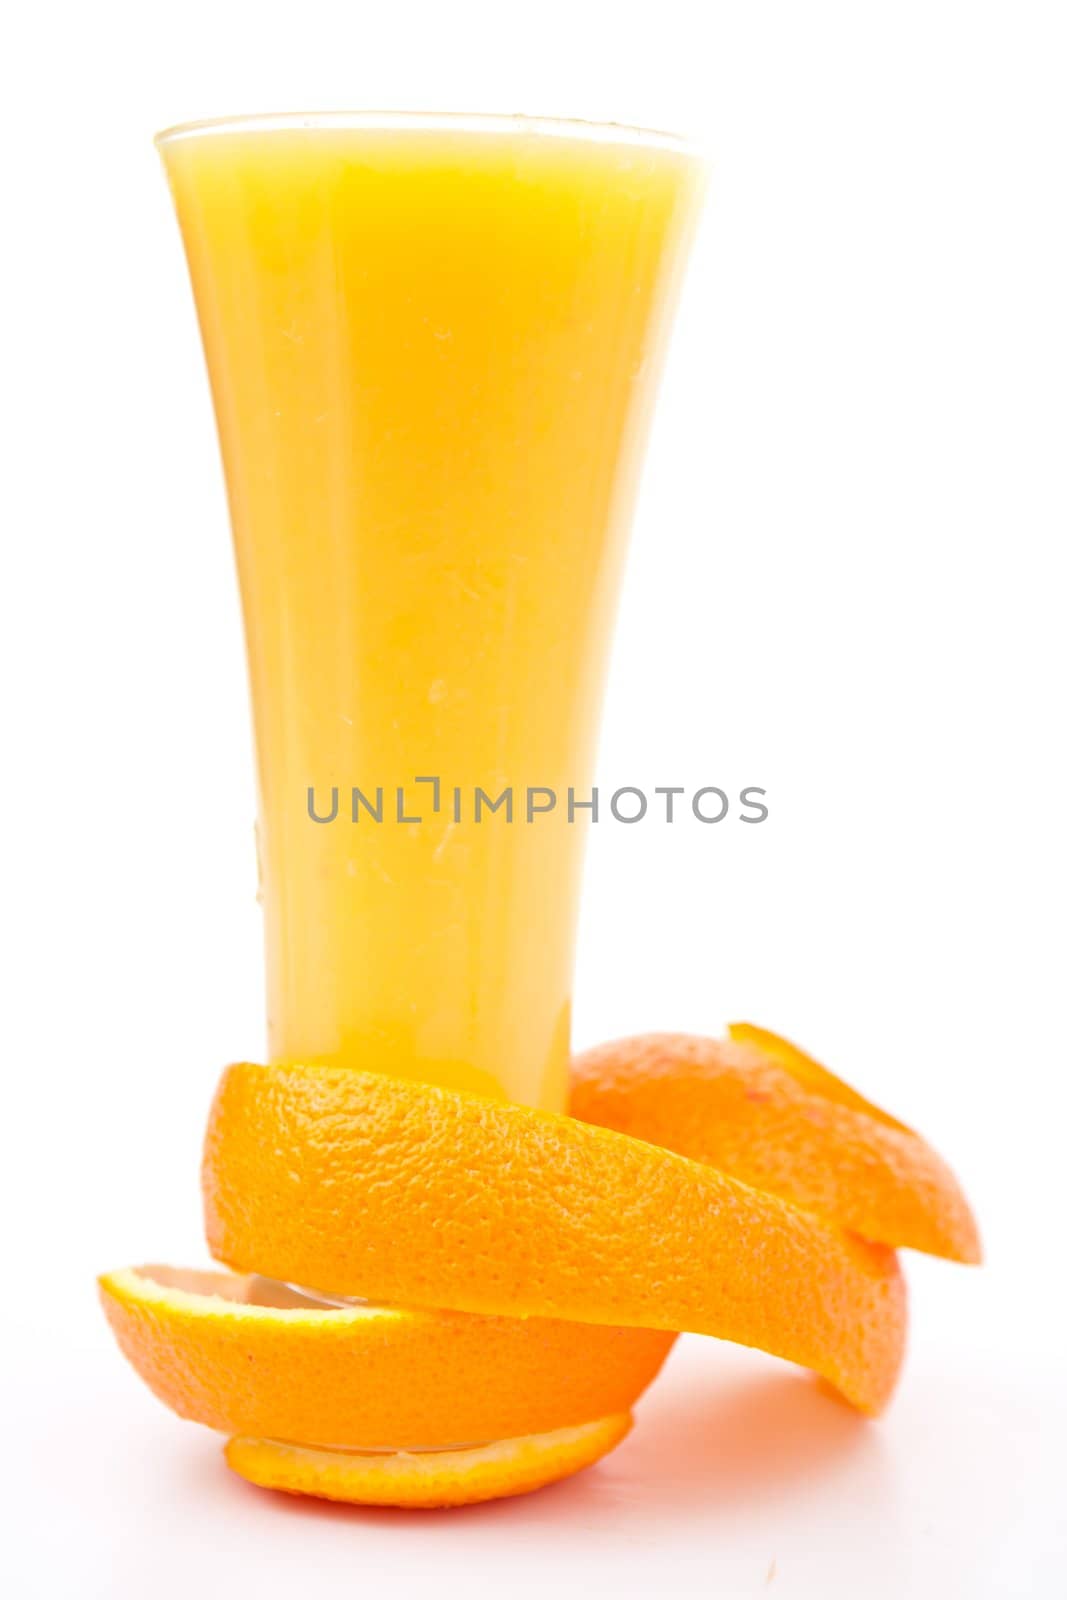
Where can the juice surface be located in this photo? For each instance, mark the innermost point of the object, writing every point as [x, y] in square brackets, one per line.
[432, 351]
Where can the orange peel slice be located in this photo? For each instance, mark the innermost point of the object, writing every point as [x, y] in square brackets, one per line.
[758, 1107]
[237, 1355]
[429, 1478]
[367, 1185]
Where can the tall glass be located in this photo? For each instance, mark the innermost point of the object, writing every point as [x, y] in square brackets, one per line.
[433, 345]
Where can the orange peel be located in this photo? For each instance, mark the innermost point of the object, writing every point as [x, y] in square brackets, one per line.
[428, 1479]
[758, 1107]
[240, 1357]
[531, 1270]
[363, 1184]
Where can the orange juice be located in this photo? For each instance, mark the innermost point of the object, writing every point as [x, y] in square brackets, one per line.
[432, 345]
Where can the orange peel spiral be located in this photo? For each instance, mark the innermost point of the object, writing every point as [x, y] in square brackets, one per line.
[531, 1269]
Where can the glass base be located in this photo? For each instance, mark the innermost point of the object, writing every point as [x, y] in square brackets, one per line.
[275, 1292]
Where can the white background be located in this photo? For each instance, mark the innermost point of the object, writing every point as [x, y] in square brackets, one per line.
[844, 587]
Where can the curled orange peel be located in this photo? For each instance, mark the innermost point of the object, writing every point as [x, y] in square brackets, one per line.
[244, 1357]
[428, 1479]
[363, 1184]
[759, 1108]
[531, 1270]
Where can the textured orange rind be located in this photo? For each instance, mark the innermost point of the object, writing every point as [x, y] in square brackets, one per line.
[759, 1108]
[530, 1270]
[432, 1479]
[366, 1377]
[363, 1184]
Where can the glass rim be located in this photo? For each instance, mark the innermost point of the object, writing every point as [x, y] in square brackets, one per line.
[419, 121]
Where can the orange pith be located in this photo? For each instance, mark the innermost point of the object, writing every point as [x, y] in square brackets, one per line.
[759, 1108]
[534, 1267]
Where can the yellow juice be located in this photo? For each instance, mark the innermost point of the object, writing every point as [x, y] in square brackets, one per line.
[432, 346]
